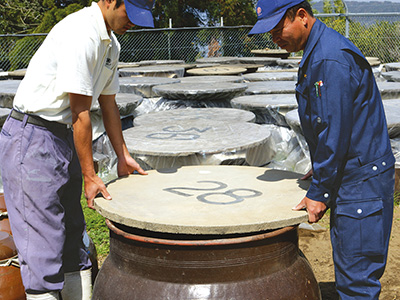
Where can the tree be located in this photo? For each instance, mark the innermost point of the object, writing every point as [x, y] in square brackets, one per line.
[20, 16]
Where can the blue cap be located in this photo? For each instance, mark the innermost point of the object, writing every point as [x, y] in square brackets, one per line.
[139, 12]
[270, 12]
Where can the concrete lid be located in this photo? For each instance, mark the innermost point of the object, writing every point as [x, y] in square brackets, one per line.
[271, 87]
[154, 71]
[212, 79]
[287, 101]
[200, 91]
[389, 90]
[271, 76]
[206, 200]
[187, 137]
[214, 113]
[219, 70]
[219, 60]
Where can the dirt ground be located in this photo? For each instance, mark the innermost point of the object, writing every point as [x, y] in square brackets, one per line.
[317, 248]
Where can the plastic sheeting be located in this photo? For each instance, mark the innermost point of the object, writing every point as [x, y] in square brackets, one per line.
[268, 108]
[143, 86]
[8, 89]
[389, 90]
[392, 111]
[4, 112]
[280, 150]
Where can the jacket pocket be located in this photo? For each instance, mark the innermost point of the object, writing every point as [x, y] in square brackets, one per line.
[360, 227]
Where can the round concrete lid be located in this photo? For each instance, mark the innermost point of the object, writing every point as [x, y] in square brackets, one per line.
[215, 113]
[187, 137]
[200, 91]
[206, 200]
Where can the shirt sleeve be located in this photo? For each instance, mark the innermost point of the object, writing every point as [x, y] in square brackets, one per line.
[331, 118]
[75, 65]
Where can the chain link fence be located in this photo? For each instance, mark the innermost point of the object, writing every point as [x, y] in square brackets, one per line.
[377, 35]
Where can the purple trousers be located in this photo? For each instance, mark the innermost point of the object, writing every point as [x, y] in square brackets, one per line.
[42, 187]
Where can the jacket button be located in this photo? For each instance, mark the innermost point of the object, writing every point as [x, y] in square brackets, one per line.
[326, 195]
[359, 211]
[374, 168]
[319, 120]
[383, 163]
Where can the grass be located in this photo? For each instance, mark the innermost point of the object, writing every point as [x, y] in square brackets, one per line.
[97, 230]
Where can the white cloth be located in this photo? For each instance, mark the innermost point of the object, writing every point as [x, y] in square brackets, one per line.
[78, 56]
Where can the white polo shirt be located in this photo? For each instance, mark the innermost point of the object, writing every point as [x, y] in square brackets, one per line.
[78, 56]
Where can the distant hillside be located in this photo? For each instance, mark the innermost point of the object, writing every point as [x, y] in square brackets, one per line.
[365, 7]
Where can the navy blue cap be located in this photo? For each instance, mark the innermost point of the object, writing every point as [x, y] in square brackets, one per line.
[139, 12]
[269, 13]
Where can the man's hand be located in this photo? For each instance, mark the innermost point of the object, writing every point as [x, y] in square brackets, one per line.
[93, 186]
[127, 166]
[315, 209]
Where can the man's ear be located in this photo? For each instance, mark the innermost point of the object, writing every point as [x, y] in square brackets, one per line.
[303, 16]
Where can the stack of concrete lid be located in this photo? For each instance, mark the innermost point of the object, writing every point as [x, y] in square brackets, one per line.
[198, 142]
[271, 87]
[201, 94]
[268, 108]
[143, 86]
[206, 200]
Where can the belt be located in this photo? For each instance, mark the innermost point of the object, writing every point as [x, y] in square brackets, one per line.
[38, 121]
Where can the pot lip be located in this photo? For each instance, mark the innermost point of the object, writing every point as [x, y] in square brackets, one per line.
[7, 246]
[209, 242]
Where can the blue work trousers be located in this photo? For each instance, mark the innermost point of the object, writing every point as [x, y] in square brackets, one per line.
[42, 187]
[361, 222]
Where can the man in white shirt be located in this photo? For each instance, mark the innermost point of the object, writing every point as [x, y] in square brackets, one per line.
[42, 160]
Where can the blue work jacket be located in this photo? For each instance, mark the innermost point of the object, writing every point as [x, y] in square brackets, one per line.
[341, 114]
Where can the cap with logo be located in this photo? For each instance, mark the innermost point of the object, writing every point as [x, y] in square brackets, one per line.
[270, 12]
[139, 12]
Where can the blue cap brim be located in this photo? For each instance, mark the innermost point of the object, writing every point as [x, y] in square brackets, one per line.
[139, 16]
[266, 24]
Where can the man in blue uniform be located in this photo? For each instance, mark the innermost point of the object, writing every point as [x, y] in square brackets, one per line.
[343, 121]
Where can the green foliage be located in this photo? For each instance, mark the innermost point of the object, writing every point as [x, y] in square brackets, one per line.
[24, 49]
[193, 13]
[97, 230]
[396, 198]
[20, 16]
